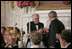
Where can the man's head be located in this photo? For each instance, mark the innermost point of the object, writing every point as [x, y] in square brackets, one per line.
[7, 32]
[65, 36]
[3, 29]
[36, 18]
[52, 15]
[36, 37]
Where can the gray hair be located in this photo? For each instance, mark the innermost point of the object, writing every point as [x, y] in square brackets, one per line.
[52, 14]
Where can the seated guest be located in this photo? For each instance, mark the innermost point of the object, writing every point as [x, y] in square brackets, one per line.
[15, 37]
[35, 40]
[3, 29]
[29, 45]
[7, 40]
[2, 41]
[65, 39]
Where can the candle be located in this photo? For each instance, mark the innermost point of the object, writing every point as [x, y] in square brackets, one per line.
[22, 23]
[13, 21]
[29, 27]
[21, 33]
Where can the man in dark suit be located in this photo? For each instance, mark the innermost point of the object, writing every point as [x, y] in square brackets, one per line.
[35, 25]
[65, 39]
[55, 27]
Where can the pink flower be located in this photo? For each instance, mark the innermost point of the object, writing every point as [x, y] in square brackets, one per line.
[22, 5]
[18, 5]
[20, 1]
[27, 2]
[65, 2]
[31, 3]
[17, 1]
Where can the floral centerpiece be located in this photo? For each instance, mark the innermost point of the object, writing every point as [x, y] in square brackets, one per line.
[25, 4]
[66, 2]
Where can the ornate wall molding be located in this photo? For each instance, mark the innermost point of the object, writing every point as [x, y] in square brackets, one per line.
[51, 6]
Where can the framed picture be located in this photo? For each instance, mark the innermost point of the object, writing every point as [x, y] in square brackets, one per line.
[51, 5]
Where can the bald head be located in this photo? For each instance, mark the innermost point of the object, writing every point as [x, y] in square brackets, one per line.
[36, 18]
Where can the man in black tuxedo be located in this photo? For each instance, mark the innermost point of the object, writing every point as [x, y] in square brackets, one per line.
[55, 27]
[35, 25]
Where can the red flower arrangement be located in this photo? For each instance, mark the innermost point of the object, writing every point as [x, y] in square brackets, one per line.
[22, 4]
[66, 2]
